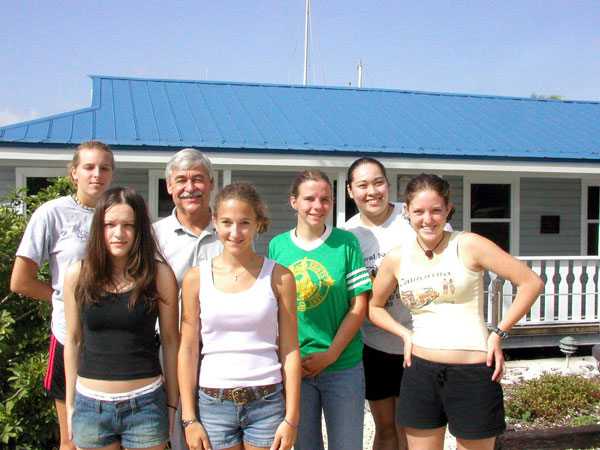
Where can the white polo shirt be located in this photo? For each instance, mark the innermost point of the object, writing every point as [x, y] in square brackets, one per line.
[182, 248]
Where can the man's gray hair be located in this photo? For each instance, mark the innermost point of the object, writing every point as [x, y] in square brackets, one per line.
[186, 159]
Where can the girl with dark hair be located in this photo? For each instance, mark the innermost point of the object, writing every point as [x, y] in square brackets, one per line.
[114, 386]
[380, 226]
[57, 233]
[331, 294]
[453, 364]
[243, 307]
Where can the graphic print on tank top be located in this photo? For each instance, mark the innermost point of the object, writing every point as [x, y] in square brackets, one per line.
[312, 283]
[437, 286]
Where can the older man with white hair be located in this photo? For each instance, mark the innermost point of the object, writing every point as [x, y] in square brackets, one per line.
[187, 236]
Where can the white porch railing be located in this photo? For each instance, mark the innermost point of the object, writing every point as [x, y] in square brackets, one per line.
[571, 293]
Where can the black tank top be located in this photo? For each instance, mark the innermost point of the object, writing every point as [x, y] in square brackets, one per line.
[119, 344]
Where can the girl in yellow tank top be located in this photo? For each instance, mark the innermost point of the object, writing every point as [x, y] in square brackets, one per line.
[453, 367]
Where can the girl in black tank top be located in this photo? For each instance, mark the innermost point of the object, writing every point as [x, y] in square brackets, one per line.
[113, 299]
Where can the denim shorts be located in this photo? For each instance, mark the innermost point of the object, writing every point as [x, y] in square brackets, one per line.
[136, 423]
[254, 423]
[460, 395]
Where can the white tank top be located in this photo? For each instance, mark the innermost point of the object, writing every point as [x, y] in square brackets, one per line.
[239, 332]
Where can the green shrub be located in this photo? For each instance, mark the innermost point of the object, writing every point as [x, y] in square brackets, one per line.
[551, 397]
[27, 416]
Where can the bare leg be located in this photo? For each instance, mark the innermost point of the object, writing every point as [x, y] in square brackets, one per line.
[476, 444]
[426, 439]
[156, 447]
[388, 436]
[61, 412]
[252, 447]
[108, 447]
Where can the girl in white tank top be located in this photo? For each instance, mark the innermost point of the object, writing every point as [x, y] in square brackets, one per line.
[243, 308]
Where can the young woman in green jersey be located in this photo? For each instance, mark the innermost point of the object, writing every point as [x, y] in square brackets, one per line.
[331, 285]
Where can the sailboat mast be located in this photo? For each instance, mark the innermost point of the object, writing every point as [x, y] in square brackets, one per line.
[305, 76]
[360, 74]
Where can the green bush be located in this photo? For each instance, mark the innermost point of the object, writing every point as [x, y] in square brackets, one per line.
[551, 397]
[27, 416]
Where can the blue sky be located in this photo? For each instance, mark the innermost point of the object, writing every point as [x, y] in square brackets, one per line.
[510, 47]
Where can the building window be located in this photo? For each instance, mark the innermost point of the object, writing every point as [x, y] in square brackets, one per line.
[593, 219]
[165, 200]
[490, 212]
[36, 184]
[37, 178]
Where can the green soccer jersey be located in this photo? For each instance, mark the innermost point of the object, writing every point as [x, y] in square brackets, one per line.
[328, 272]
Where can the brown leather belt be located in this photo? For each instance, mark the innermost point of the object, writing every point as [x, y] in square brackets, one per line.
[240, 396]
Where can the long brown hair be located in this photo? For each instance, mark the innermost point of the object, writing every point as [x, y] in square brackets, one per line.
[95, 279]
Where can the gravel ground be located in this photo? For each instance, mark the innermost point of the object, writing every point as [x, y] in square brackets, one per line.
[515, 370]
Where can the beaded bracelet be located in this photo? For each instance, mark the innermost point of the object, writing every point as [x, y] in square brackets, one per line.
[293, 426]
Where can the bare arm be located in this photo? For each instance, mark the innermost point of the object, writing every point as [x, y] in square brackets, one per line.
[383, 286]
[478, 253]
[73, 340]
[187, 359]
[315, 362]
[168, 317]
[24, 280]
[284, 286]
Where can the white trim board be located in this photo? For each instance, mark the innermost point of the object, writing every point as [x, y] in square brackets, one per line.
[277, 161]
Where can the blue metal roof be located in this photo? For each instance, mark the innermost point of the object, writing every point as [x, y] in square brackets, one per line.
[155, 114]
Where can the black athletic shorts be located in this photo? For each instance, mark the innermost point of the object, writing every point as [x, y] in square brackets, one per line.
[460, 395]
[383, 373]
[54, 381]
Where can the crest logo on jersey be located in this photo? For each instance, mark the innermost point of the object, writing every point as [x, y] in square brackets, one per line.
[312, 283]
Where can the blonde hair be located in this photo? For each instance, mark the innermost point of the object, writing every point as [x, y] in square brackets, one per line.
[89, 145]
[308, 175]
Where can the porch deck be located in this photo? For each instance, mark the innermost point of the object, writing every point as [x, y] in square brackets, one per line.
[569, 305]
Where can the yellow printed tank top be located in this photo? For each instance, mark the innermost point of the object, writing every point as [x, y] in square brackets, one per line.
[444, 297]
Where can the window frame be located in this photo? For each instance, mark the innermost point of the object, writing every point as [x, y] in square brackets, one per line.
[585, 185]
[515, 206]
[22, 173]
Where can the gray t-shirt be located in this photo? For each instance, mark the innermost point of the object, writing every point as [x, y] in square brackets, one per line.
[375, 242]
[57, 233]
[182, 248]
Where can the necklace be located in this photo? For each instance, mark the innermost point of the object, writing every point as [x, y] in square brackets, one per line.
[235, 277]
[86, 207]
[429, 253]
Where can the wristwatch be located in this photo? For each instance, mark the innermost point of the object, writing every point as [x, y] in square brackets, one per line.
[185, 423]
[503, 334]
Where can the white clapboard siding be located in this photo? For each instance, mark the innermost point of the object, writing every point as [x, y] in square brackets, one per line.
[7, 180]
[559, 197]
[132, 178]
